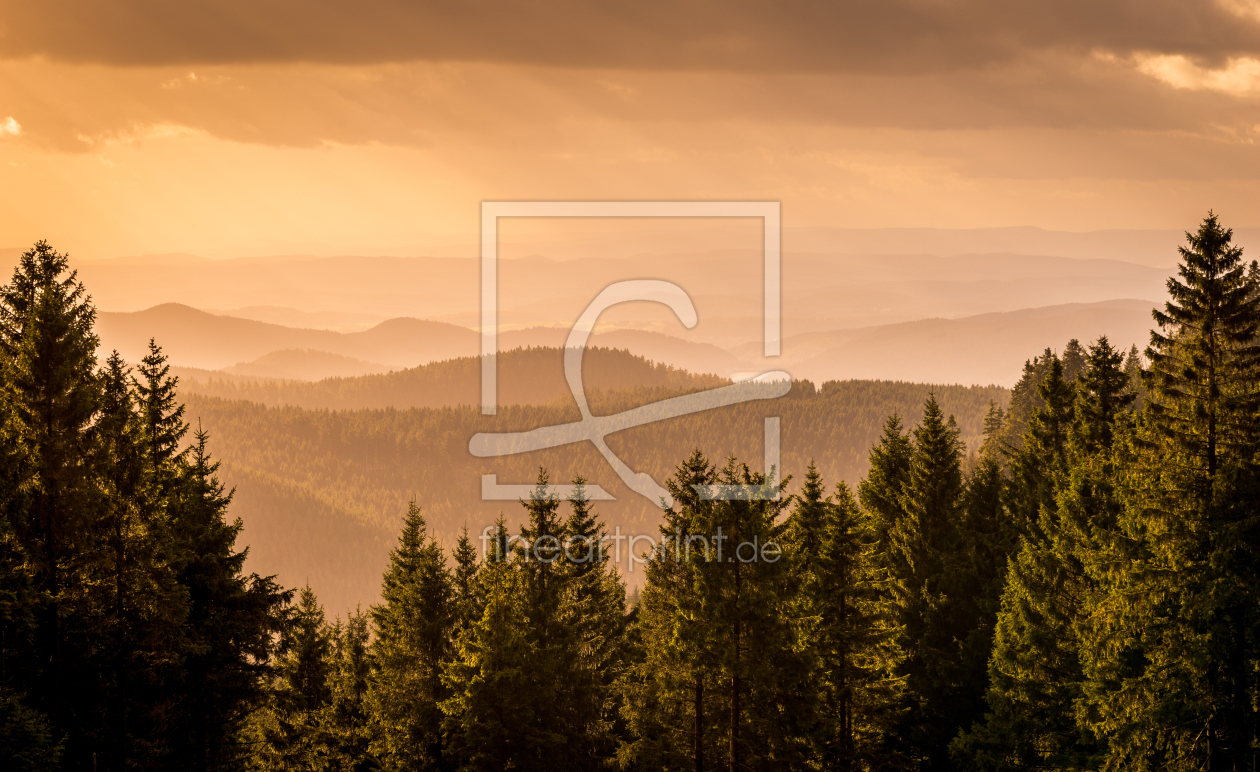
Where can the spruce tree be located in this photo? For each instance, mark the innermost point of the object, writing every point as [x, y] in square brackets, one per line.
[1104, 393]
[853, 637]
[1042, 455]
[881, 491]
[467, 596]
[162, 415]
[138, 595]
[292, 731]
[50, 398]
[413, 639]
[749, 642]
[1170, 652]
[807, 524]
[231, 630]
[1074, 360]
[347, 722]
[492, 716]
[541, 563]
[593, 609]
[926, 562]
[670, 701]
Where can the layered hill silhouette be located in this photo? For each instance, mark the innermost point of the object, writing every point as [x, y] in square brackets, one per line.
[194, 338]
[980, 349]
[820, 291]
[529, 376]
[986, 348]
[305, 365]
[198, 339]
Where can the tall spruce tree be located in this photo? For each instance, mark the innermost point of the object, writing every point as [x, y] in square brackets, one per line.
[232, 627]
[1171, 649]
[881, 492]
[848, 631]
[413, 627]
[1041, 458]
[142, 603]
[492, 716]
[744, 593]
[467, 597]
[1035, 671]
[593, 609]
[50, 399]
[927, 547]
[292, 730]
[670, 704]
[348, 723]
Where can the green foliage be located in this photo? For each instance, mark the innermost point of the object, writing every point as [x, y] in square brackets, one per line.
[492, 715]
[1170, 646]
[848, 631]
[130, 637]
[413, 625]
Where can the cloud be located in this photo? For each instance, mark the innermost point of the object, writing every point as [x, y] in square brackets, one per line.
[1239, 77]
[1244, 9]
[193, 79]
[10, 127]
[867, 36]
[424, 104]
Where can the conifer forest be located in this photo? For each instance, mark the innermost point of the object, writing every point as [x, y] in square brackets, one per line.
[1076, 589]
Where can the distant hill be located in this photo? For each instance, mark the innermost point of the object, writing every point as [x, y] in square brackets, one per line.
[981, 349]
[340, 321]
[306, 365]
[198, 339]
[821, 290]
[532, 376]
[658, 347]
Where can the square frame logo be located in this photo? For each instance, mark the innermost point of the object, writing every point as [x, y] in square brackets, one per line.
[770, 385]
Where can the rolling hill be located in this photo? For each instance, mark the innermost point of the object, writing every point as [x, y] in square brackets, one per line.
[531, 376]
[305, 365]
[986, 348]
[820, 290]
[195, 338]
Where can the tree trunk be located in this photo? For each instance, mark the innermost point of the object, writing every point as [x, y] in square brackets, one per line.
[699, 738]
[734, 748]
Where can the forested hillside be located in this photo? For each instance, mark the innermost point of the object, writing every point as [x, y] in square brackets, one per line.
[321, 492]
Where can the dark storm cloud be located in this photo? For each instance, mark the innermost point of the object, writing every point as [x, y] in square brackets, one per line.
[871, 36]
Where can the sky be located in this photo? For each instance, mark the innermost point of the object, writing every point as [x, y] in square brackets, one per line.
[206, 126]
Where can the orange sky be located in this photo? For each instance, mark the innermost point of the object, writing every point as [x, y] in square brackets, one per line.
[148, 126]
